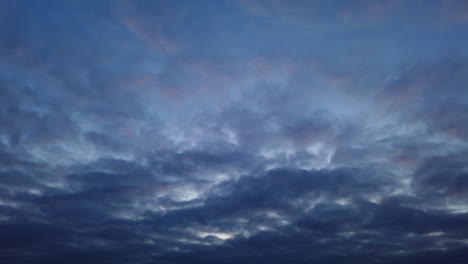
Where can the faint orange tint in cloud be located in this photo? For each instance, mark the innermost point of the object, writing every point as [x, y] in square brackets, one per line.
[150, 30]
[369, 9]
[455, 10]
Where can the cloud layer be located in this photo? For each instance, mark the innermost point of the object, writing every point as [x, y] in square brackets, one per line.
[233, 132]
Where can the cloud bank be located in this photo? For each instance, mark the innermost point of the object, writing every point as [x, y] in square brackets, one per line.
[233, 132]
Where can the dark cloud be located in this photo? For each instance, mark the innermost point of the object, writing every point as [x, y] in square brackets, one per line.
[444, 176]
[233, 132]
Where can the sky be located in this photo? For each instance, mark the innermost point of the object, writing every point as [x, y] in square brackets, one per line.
[234, 131]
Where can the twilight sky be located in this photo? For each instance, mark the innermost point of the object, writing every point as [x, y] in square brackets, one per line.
[234, 131]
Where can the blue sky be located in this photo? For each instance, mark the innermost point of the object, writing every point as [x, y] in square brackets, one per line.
[240, 131]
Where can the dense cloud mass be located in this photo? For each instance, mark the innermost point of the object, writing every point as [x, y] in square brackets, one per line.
[235, 131]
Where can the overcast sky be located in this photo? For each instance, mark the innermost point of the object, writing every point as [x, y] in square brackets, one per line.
[234, 131]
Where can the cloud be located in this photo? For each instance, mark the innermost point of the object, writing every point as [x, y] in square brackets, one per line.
[431, 94]
[316, 14]
[443, 176]
[227, 132]
[455, 10]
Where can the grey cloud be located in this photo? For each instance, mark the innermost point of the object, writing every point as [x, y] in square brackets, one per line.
[443, 175]
[232, 132]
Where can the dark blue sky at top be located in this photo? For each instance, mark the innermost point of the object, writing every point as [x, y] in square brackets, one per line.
[242, 131]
